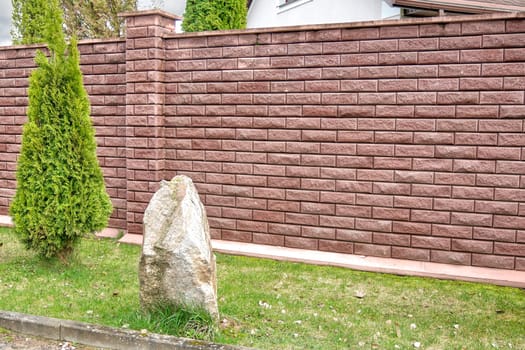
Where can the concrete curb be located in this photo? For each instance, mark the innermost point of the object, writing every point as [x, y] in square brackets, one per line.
[100, 336]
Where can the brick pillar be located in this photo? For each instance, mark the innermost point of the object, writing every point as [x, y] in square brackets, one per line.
[145, 109]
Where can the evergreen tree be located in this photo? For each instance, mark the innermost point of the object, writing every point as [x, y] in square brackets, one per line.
[95, 18]
[60, 192]
[82, 18]
[202, 15]
[29, 19]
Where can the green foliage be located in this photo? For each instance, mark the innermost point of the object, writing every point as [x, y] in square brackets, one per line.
[95, 18]
[34, 21]
[187, 322]
[60, 192]
[202, 15]
[82, 18]
[270, 304]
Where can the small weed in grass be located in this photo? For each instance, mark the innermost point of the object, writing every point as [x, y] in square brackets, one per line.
[270, 304]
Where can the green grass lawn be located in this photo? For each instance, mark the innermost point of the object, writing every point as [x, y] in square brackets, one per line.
[273, 305]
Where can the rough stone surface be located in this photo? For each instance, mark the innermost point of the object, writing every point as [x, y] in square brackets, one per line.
[177, 265]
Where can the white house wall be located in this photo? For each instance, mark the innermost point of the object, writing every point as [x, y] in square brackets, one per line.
[268, 13]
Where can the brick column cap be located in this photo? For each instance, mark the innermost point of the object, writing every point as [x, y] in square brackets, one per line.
[149, 13]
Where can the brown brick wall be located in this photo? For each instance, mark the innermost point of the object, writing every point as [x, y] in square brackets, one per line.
[103, 64]
[393, 139]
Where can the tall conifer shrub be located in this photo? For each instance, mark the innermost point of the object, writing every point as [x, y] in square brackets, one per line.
[202, 15]
[29, 18]
[60, 192]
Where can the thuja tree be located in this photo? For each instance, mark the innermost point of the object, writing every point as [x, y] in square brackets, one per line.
[82, 18]
[202, 15]
[95, 18]
[28, 20]
[60, 193]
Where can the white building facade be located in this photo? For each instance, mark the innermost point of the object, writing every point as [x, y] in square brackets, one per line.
[277, 13]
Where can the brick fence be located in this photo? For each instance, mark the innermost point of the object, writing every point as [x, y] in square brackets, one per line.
[401, 139]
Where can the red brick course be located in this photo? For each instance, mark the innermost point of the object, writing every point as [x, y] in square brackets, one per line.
[402, 141]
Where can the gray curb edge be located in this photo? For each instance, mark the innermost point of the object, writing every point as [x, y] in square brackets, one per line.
[100, 336]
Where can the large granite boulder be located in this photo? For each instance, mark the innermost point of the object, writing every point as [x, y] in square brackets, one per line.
[177, 266]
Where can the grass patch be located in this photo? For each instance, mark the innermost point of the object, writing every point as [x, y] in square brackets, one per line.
[270, 304]
[182, 322]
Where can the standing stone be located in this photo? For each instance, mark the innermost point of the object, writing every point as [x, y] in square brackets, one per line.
[177, 266]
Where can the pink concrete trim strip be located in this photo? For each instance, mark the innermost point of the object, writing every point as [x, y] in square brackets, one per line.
[395, 266]
[131, 238]
[5, 221]
[365, 263]
[108, 233]
[501, 277]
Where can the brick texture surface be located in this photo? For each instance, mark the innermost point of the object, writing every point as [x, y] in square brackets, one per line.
[103, 64]
[400, 141]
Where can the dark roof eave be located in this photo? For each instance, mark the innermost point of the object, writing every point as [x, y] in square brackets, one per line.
[464, 6]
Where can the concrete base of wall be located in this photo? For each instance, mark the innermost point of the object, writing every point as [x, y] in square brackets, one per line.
[366, 263]
[374, 264]
[6, 221]
[501, 277]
